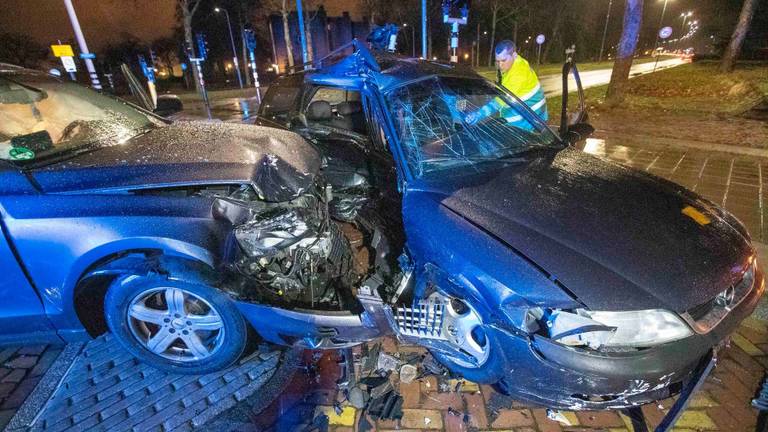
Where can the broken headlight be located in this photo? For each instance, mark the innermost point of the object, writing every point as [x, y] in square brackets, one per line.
[625, 329]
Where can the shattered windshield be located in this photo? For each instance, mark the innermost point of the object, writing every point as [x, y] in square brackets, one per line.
[42, 117]
[445, 123]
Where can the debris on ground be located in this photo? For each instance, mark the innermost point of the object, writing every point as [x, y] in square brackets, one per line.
[408, 373]
[386, 362]
[558, 416]
[387, 407]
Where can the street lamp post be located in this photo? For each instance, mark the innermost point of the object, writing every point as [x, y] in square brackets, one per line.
[661, 24]
[685, 17]
[605, 30]
[232, 41]
[83, 46]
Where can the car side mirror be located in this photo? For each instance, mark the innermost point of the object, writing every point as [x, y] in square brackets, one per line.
[167, 105]
[573, 121]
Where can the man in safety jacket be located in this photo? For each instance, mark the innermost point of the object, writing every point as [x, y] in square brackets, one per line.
[517, 77]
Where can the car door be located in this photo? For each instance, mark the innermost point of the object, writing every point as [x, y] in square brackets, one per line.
[22, 316]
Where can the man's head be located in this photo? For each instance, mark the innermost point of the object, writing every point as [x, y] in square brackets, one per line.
[505, 55]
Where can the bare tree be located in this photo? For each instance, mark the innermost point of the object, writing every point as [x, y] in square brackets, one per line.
[739, 33]
[187, 9]
[501, 10]
[630, 33]
[21, 50]
[561, 11]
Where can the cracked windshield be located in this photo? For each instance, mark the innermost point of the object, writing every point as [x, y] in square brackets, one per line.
[41, 117]
[452, 122]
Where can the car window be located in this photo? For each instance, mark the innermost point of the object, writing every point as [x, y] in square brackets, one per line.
[41, 116]
[279, 102]
[440, 125]
[336, 108]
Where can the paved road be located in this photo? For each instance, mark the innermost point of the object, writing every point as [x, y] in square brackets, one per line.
[553, 83]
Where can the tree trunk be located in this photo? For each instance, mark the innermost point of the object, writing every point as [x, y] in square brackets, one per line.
[246, 62]
[514, 35]
[190, 45]
[555, 31]
[493, 33]
[630, 33]
[287, 37]
[739, 33]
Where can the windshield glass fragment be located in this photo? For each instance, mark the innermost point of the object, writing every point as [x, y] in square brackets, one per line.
[438, 125]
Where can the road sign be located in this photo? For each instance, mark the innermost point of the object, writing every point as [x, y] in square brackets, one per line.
[69, 63]
[540, 39]
[665, 32]
[87, 56]
[62, 51]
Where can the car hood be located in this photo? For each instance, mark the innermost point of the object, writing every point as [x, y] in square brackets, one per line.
[615, 237]
[280, 164]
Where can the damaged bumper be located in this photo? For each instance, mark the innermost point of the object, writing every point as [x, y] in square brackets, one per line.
[318, 329]
[558, 376]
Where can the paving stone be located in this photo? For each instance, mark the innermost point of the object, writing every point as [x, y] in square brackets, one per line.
[725, 420]
[544, 423]
[411, 393]
[6, 389]
[7, 353]
[15, 376]
[20, 393]
[702, 399]
[454, 423]
[421, 419]
[429, 384]
[442, 401]
[346, 418]
[22, 362]
[747, 346]
[32, 350]
[45, 361]
[478, 416]
[599, 419]
[695, 419]
[5, 417]
[512, 418]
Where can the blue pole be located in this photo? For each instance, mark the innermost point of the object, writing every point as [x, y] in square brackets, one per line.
[301, 31]
[424, 28]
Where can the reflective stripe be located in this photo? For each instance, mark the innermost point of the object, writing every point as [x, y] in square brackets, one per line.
[538, 105]
[531, 93]
[513, 119]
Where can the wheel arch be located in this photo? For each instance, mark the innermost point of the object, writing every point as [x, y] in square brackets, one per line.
[93, 273]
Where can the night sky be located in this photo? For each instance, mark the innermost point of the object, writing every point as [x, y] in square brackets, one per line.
[108, 21]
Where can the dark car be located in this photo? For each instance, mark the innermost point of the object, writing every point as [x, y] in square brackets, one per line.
[566, 279]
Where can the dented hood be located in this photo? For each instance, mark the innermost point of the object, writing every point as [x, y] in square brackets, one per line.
[617, 238]
[280, 164]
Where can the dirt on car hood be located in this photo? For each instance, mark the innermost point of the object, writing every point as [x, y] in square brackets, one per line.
[280, 164]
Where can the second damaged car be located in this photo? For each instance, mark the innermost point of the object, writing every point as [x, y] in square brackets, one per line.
[564, 279]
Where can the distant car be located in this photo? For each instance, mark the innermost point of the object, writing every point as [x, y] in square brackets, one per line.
[565, 279]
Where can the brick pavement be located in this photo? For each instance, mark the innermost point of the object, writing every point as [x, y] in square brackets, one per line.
[21, 368]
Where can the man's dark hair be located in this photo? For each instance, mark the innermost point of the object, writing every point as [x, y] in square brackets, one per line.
[505, 45]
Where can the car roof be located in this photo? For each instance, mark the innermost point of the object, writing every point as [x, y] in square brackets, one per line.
[353, 65]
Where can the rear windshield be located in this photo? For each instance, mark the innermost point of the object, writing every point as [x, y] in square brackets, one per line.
[279, 102]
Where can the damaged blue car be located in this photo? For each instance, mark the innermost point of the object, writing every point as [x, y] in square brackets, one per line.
[363, 205]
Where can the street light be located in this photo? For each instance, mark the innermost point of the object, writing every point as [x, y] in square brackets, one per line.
[413, 38]
[685, 16]
[605, 30]
[232, 40]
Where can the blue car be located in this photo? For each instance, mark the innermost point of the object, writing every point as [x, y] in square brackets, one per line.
[363, 204]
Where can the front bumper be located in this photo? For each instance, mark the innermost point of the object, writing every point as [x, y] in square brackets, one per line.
[558, 376]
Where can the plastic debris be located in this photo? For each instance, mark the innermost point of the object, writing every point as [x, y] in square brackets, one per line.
[408, 373]
[558, 416]
[387, 407]
[386, 362]
[427, 420]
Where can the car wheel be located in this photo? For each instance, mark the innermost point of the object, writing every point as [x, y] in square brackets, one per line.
[478, 356]
[173, 325]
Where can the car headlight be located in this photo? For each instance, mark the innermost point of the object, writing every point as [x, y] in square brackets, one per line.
[625, 329]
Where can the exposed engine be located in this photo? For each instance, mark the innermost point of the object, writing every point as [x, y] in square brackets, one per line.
[291, 251]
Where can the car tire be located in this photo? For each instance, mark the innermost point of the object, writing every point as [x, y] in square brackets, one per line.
[177, 326]
[490, 372]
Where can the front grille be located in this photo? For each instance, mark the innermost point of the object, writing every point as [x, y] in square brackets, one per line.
[423, 319]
